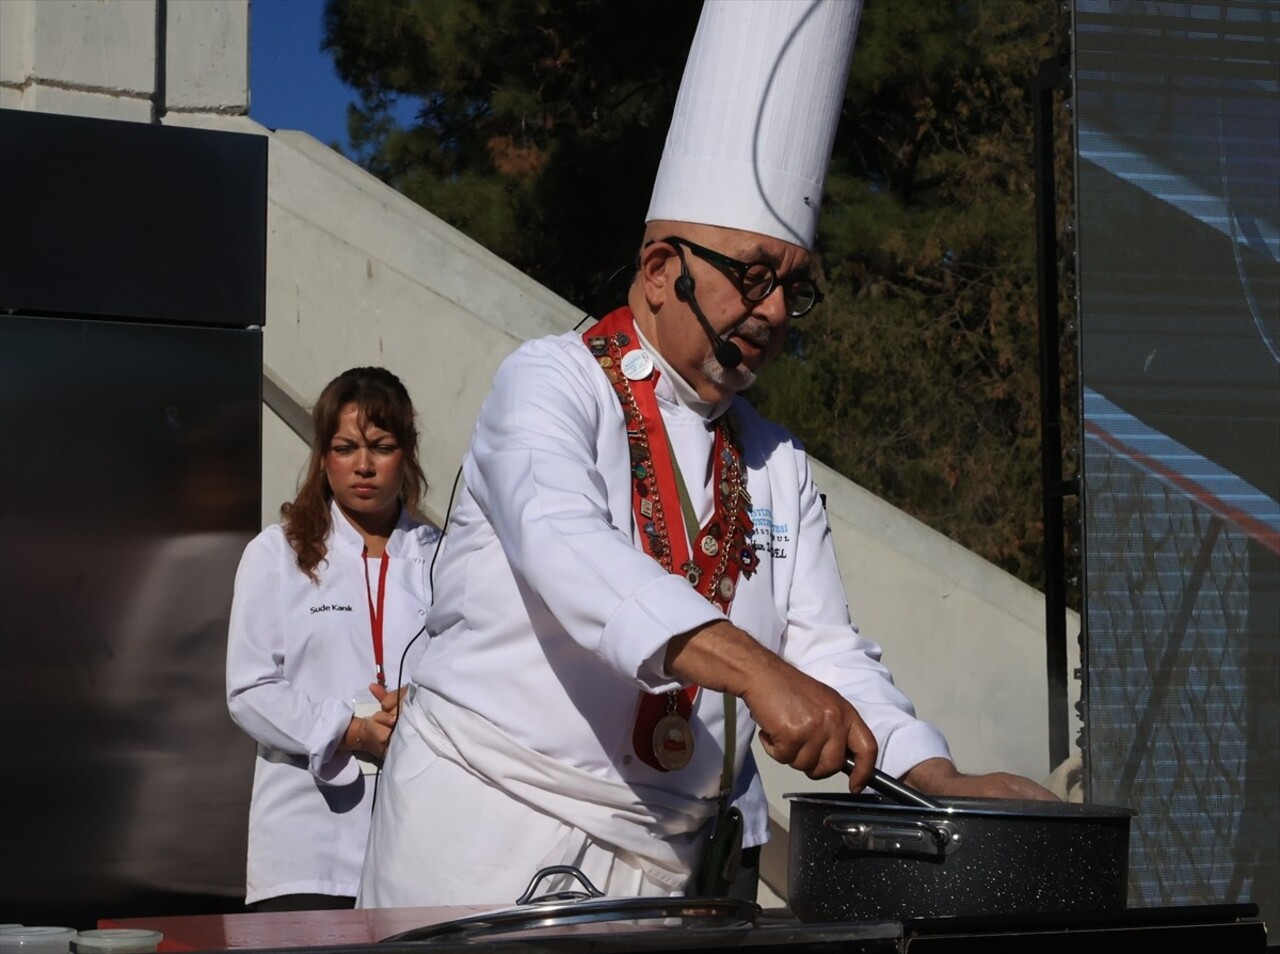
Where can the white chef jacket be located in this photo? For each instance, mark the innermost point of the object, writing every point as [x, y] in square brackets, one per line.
[298, 653]
[548, 619]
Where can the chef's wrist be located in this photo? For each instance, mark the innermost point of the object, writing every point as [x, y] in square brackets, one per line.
[719, 656]
[933, 776]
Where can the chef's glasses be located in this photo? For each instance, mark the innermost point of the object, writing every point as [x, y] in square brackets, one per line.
[757, 280]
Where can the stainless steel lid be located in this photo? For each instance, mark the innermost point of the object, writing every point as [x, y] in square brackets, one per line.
[590, 906]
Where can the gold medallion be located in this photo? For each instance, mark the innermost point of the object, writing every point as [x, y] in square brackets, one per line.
[673, 742]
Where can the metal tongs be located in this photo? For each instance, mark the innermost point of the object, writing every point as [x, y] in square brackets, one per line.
[896, 789]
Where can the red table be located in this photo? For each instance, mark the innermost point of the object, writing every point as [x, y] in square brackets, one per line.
[220, 932]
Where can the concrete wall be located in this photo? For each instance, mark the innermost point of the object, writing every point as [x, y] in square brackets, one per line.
[360, 275]
[101, 57]
[964, 639]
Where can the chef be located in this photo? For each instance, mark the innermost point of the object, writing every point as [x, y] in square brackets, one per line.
[639, 575]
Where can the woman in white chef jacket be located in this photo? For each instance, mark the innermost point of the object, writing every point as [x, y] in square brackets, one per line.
[326, 604]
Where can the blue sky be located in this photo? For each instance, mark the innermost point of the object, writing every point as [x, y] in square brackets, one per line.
[292, 83]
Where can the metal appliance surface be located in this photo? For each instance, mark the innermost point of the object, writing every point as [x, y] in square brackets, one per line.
[1184, 930]
[131, 302]
[1177, 930]
[580, 920]
[1187, 930]
[775, 930]
[863, 856]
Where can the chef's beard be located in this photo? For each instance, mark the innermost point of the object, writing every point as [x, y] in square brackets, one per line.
[728, 379]
[758, 333]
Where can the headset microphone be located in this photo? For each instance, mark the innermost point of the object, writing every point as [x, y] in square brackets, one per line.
[727, 354]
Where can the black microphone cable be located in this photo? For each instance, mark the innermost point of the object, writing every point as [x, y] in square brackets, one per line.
[431, 579]
[610, 296]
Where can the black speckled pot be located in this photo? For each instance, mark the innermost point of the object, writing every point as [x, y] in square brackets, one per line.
[860, 856]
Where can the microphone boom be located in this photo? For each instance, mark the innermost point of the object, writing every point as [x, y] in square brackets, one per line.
[728, 354]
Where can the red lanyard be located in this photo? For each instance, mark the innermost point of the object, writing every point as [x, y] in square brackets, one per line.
[375, 615]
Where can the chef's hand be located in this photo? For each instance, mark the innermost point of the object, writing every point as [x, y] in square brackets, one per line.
[810, 726]
[803, 723]
[941, 777]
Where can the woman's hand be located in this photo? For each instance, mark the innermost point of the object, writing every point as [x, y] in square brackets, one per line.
[371, 734]
[389, 698]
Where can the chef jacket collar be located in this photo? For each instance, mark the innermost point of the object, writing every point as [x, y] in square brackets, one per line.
[681, 390]
[349, 536]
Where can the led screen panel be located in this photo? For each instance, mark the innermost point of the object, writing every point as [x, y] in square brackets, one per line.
[1178, 219]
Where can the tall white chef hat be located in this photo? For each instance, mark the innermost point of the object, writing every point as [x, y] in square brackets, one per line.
[756, 116]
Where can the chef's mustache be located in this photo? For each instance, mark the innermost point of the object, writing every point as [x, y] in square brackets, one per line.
[754, 331]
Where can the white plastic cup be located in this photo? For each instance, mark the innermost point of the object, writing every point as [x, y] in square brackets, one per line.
[17, 939]
[118, 941]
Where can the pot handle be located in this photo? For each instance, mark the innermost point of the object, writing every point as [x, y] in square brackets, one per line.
[903, 836]
[568, 895]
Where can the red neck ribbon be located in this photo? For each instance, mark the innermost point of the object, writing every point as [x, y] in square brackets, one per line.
[721, 549]
[375, 615]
